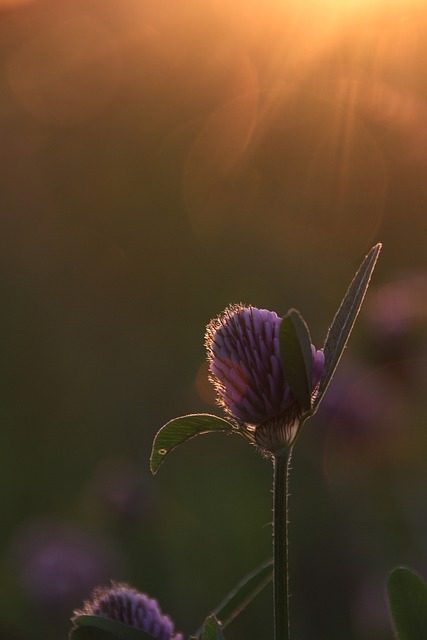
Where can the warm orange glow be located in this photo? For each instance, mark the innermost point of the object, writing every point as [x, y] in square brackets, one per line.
[12, 4]
[203, 386]
[52, 74]
[271, 104]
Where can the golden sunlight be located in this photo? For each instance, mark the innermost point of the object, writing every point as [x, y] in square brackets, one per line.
[287, 105]
[12, 4]
[343, 6]
[51, 74]
[303, 85]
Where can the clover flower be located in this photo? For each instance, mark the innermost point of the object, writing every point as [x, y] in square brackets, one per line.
[124, 604]
[248, 374]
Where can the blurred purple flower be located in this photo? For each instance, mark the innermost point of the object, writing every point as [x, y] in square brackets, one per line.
[124, 604]
[122, 490]
[58, 563]
[398, 309]
[247, 371]
[364, 405]
[396, 320]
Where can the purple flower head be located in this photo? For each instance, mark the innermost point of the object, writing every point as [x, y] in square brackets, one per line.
[124, 604]
[247, 371]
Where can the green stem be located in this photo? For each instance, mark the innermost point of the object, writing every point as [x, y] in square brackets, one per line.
[280, 546]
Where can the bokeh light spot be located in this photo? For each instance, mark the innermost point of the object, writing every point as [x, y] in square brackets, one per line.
[213, 163]
[203, 386]
[66, 74]
[14, 4]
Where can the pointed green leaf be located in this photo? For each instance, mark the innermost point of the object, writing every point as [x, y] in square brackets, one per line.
[242, 595]
[212, 629]
[98, 628]
[247, 589]
[344, 320]
[178, 430]
[295, 352]
[407, 595]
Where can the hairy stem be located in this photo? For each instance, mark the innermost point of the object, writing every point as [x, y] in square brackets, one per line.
[280, 546]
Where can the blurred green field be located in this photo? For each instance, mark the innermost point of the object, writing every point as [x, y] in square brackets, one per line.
[159, 161]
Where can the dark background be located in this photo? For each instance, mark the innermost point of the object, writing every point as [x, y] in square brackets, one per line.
[159, 161]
